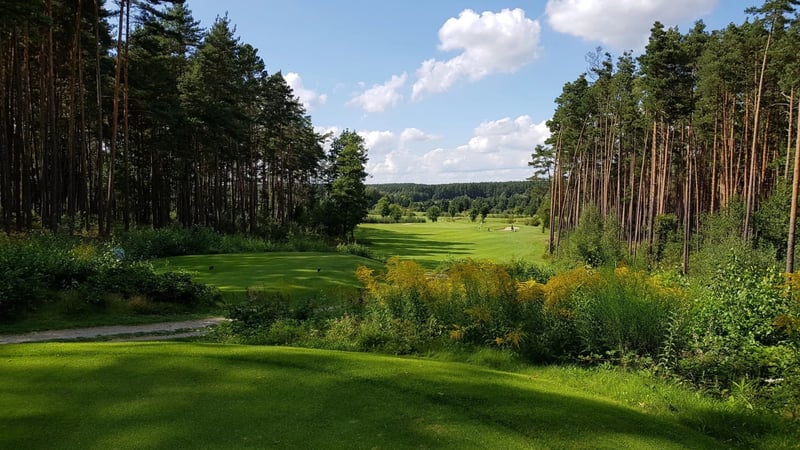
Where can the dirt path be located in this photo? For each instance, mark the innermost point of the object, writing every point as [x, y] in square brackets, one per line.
[148, 332]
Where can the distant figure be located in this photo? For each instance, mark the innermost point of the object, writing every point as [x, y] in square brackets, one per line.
[210, 267]
[318, 269]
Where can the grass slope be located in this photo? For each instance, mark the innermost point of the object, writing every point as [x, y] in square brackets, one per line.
[287, 273]
[179, 395]
[433, 242]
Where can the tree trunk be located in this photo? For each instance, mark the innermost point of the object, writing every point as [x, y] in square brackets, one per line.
[114, 121]
[750, 199]
[793, 209]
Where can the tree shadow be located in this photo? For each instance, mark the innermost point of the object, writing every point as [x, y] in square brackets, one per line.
[157, 395]
[417, 246]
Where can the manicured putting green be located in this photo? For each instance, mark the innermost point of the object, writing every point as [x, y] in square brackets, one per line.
[433, 242]
[179, 395]
[288, 273]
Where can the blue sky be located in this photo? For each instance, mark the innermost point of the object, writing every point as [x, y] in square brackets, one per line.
[446, 91]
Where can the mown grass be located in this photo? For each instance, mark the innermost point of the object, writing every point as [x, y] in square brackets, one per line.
[291, 274]
[433, 242]
[181, 395]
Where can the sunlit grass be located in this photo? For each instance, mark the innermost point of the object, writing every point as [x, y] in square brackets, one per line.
[295, 274]
[178, 395]
[433, 242]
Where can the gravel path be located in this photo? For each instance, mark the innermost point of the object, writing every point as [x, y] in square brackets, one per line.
[149, 332]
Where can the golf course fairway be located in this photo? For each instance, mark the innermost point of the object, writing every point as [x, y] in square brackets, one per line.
[183, 395]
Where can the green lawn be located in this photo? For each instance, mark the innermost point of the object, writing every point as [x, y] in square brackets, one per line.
[433, 242]
[292, 274]
[180, 395]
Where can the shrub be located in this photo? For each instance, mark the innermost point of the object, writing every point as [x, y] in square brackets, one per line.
[732, 331]
[593, 314]
[394, 219]
[258, 313]
[628, 313]
[32, 267]
[163, 242]
[522, 270]
[355, 249]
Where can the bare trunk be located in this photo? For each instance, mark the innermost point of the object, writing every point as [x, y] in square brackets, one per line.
[793, 210]
[750, 200]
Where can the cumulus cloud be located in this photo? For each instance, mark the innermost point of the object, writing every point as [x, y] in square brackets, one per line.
[380, 96]
[382, 142]
[310, 99]
[622, 24]
[415, 134]
[378, 141]
[498, 150]
[489, 43]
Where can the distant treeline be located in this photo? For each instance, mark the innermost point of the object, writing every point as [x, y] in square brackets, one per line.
[519, 197]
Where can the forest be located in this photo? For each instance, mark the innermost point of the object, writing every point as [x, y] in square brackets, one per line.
[703, 123]
[509, 197]
[130, 115]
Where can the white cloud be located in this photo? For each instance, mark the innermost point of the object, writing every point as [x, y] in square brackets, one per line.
[380, 96]
[489, 43]
[378, 141]
[310, 99]
[622, 24]
[415, 134]
[497, 151]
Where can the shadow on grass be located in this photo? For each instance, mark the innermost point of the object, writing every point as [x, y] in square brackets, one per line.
[293, 274]
[414, 245]
[155, 395]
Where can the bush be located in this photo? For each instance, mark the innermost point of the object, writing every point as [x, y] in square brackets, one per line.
[522, 270]
[33, 267]
[626, 314]
[259, 313]
[394, 219]
[731, 332]
[150, 244]
[356, 250]
[163, 242]
[83, 275]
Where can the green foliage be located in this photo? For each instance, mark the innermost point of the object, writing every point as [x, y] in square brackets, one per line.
[346, 201]
[628, 313]
[149, 243]
[394, 218]
[355, 249]
[595, 315]
[383, 206]
[395, 212]
[771, 220]
[665, 232]
[35, 270]
[257, 315]
[596, 240]
[433, 213]
[522, 270]
[731, 331]
[720, 241]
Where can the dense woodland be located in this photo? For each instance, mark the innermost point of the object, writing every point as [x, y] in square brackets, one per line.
[703, 122]
[509, 197]
[127, 113]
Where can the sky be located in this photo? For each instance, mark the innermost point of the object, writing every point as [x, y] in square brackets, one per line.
[445, 91]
